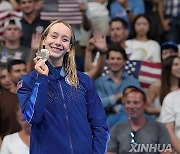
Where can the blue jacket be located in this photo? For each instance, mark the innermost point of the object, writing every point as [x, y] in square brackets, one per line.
[64, 120]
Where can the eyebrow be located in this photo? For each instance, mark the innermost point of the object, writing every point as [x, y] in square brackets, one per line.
[58, 34]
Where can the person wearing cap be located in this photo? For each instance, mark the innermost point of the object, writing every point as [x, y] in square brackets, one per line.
[5, 7]
[168, 49]
[12, 48]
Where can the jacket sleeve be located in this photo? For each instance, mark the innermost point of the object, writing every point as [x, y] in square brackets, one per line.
[32, 97]
[97, 119]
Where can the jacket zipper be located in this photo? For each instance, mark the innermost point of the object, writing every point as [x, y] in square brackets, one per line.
[67, 119]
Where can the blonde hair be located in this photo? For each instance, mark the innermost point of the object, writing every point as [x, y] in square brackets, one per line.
[69, 57]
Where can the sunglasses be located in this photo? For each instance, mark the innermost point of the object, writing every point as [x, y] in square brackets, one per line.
[133, 140]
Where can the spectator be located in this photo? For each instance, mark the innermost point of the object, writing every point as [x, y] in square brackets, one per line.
[122, 116]
[16, 69]
[8, 121]
[31, 22]
[170, 81]
[143, 47]
[169, 14]
[110, 86]
[118, 33]
[5, 7]
[98, 15]
[126, 9]
[168, 49]
[151, 12]
[138, 131]
[17, 143]
[12, 48]
[9, 100]
[98, 41]
[170, 116]
[5, 81]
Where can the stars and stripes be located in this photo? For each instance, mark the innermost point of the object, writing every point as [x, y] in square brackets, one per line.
[19, 85]
[145, 72]
[67, 10]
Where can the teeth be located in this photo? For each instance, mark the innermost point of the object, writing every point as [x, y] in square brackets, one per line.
[56, 49]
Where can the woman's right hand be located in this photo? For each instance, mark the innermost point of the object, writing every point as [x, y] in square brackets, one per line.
[40, 66]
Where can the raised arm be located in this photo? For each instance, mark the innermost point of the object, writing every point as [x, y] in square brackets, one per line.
[164, 22]
[88, 65]
[32, 92]
[100, 44]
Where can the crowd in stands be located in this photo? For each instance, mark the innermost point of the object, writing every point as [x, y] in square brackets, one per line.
[110, 35]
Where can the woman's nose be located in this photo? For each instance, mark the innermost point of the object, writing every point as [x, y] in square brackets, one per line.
[58, 42]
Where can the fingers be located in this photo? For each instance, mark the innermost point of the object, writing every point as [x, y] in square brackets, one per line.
[40, 66]
[98, 36]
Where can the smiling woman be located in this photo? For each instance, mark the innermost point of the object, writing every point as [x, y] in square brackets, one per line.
[62, 104]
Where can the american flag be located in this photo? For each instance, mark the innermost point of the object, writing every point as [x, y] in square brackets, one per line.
[145, 72]
[6, 15]
[19, 85]
[67, 10]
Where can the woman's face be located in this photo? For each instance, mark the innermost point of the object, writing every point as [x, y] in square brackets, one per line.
[5, 81]
[142, 26]
[175, 70]
[58, 41]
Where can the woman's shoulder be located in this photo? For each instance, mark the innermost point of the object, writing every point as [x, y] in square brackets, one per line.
[11, 137]
[156, 84]
[29, 78]
[83, 76]
[154, 42]
[32, 74]
[84, 79]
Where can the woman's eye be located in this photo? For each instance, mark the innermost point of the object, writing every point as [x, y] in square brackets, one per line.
[65, 40]
[53, 36]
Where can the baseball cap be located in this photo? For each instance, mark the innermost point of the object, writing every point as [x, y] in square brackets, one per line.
[13, 22]
[169, 44]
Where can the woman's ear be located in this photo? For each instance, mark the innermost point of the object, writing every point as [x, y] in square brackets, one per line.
[43, 44]
[70, 46]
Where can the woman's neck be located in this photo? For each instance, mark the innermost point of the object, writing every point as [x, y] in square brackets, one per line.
[174, 83]
[25, 137]
[142, 38]
[56, 62]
